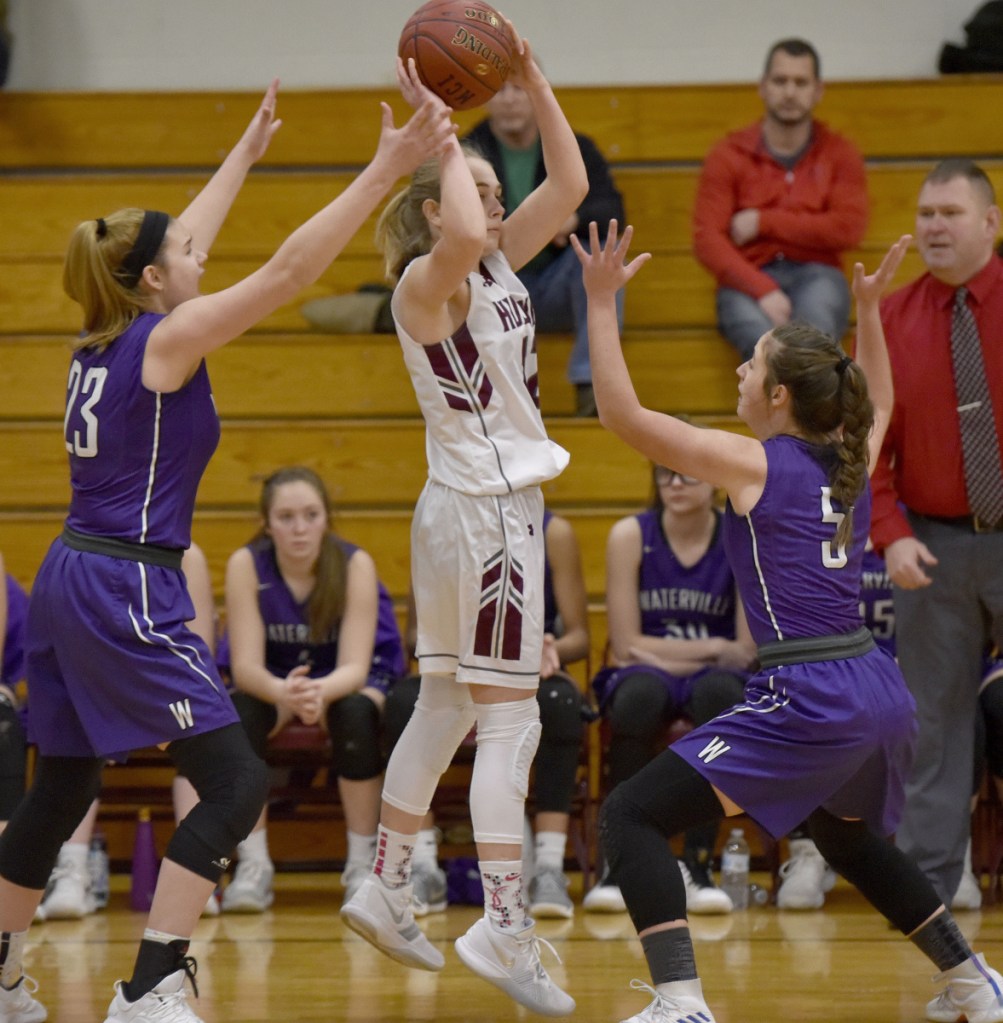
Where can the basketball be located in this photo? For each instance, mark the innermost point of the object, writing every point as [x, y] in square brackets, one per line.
[462, 51]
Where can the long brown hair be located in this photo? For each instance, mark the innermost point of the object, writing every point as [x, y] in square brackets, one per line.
[90, 275]
[828, 399]
[326, 603]
[402, 231]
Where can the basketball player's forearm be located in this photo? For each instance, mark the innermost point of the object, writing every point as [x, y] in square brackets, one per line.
[561, 154]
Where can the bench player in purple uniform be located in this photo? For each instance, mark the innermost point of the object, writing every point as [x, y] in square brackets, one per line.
[679, 643]
[466, 329]
[827, 728]
[304, 611]
[13, 749]
[112, 666]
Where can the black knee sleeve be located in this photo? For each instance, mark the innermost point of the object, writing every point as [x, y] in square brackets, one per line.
[258, 719]
[883, 874]
[562, 728]
[232, 783]
[713, 694]
[13, 754]
[664, 798]
[353, 722]
[399, 707]
[637, 712]
[61, 793]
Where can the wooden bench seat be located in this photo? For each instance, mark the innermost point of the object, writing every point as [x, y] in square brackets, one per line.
[367, 463]
[674, 292]
[287, 376]
[900, 119]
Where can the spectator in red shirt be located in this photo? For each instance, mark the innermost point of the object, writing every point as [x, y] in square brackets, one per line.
[777, 204]
[944, 561]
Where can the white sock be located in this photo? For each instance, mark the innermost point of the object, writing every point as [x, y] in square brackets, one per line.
[394, 853]
[548, 850]
[426, 848]
[74, 853]
[361, 849]
[11, 955]
[254, 848]
[504, 905]
[686, 988]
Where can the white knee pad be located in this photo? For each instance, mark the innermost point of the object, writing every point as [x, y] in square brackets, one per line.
[507, 737]
[443, 714]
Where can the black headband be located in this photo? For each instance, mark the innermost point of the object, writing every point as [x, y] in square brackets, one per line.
[145, 248]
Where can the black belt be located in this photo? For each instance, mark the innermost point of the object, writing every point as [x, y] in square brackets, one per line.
[147, 553]
[971, 523]
[816, 648]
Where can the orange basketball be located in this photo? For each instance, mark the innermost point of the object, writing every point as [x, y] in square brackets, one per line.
[462, 51]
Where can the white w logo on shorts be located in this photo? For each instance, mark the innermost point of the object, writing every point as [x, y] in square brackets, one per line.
[182, 712]
[713, 749]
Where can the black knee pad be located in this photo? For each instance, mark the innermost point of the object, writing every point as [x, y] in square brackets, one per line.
[353, 722]
[883, 874]
[399, 707]
[560, 702]
[61, 793]
[639, 706]
[991, 702]
[713, 694]
[232, 783]
[258, 718]
[13, 754]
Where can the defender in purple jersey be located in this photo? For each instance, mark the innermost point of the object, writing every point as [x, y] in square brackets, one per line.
[13, 749]
[112, 664]
[466, 328]
[827, 727]
[313, 638]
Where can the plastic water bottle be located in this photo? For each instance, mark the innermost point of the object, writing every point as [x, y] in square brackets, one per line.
[97, 867]
[735, 869]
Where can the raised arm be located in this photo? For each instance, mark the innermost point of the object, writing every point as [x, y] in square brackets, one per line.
[200, 325]
[207, 211]
[546, 210]
[871, 351]
[727, 460]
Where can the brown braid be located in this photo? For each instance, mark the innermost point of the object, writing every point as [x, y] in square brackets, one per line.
[829, 401]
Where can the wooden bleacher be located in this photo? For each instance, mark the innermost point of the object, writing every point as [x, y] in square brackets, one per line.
[343, 404]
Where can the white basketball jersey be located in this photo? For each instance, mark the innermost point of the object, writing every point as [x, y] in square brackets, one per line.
[478, 392]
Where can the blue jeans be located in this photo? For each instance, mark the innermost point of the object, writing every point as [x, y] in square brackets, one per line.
[819, 296]
[558, 296]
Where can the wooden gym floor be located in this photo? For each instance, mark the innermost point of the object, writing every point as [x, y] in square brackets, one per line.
[297, 963]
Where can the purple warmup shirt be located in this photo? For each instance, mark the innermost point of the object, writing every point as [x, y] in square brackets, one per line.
[679, 601]
[793, 580]
[286, 621]
[136, 456]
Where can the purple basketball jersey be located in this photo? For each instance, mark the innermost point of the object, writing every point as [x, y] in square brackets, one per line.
[136, 456]
[794, 580]
[287, 631]
[684, 601]
[877, 605]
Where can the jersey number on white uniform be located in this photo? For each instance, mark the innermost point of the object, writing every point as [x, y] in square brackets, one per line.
[88, 387]
[829, 514]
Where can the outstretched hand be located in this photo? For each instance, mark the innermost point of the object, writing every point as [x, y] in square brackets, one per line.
[263, 126]
[868, 288]
[428, 131]
[524, 70]
[604, 269]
